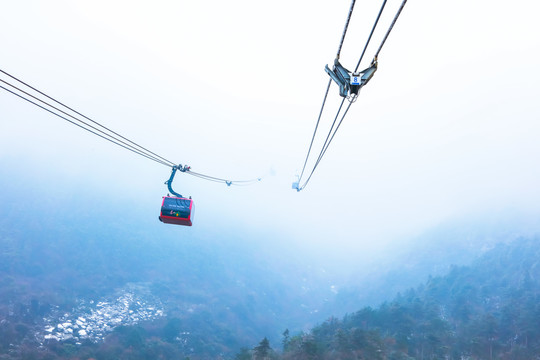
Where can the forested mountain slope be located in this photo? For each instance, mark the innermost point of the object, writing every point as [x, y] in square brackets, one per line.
[84, 275]
[489, 310]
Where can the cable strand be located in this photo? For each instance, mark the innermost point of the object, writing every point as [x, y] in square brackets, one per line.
[390, 28]
[316, 127]
[135, 148]
[345, 29]
[116, 140]
[323, 151]
[78, 113]
[370, 35]
[82, 127]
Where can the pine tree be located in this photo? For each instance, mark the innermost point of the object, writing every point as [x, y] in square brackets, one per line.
[262, 351]
[286, 340]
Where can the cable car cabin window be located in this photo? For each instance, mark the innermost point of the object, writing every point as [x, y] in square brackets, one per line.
[177, 211]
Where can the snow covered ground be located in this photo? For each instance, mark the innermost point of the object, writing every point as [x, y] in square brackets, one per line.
[93, 320]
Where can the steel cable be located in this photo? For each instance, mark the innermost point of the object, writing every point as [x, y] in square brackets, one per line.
[82, 127]
[78, 113]
[346, 27]
[370, 35]
[105, 135]
[315, 131]
[390, 28]
[323, 151]
[331, 134]
[135, 148]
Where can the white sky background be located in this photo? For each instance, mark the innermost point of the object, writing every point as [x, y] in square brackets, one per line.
[448, 127]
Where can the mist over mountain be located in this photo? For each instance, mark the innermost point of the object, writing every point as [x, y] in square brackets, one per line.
[76, 266]
[487, 310]
[86, 275]
[433, 253]
[416, 237]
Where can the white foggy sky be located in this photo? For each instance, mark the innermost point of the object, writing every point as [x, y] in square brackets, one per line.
[447, 128]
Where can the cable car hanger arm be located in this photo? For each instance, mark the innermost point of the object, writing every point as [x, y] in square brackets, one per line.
[173, 172]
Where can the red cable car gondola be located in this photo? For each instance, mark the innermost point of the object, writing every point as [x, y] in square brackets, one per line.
[176, 209]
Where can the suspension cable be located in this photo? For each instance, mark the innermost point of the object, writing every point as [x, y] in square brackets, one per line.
[333, 132]
[370, 35]
[330, 132]
[345, 29]
[78, 113]
[390, 28]
[82, 127]
[315, 131]
[105, 135]
[323, 151]
[222, 180]
[347, 21]
[115, 138]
